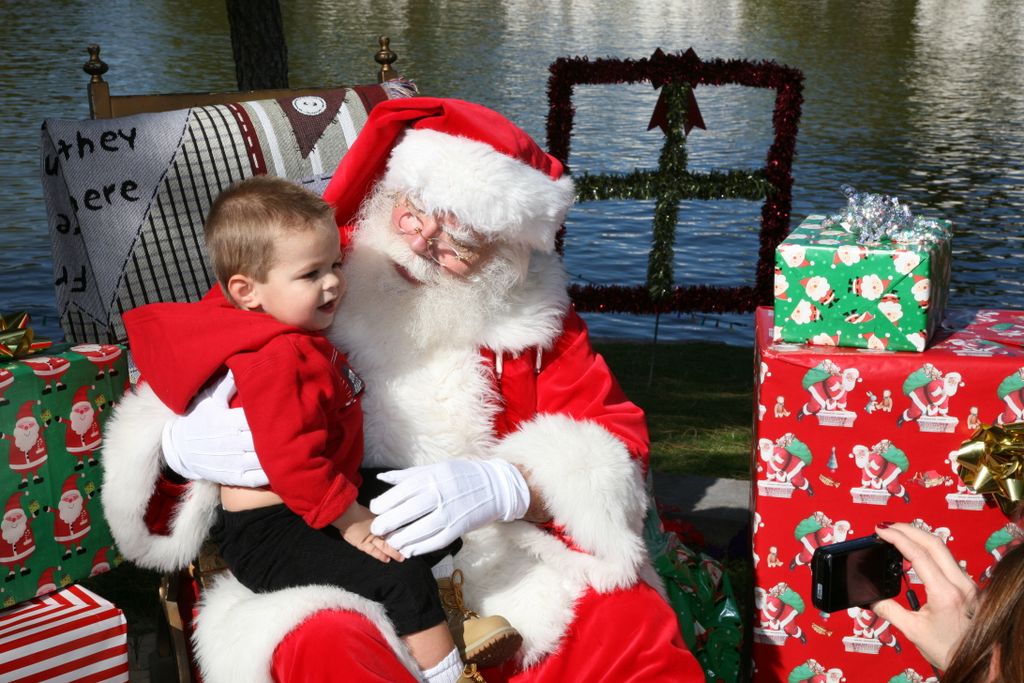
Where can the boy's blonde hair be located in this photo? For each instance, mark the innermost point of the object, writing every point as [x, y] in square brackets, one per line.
[247, 218]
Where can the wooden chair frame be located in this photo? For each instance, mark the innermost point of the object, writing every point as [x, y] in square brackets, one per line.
[103, 105]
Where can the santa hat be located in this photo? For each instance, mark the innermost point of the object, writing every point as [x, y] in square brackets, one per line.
[460, 158]
[46, 582]
[26, 411]
[70, 484]
[82, 395]
[13, 503]
[99, 562]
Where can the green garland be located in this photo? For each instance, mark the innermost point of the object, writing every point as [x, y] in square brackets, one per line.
[672, 182]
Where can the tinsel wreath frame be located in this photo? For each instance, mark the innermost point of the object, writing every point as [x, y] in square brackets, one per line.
[677, 75]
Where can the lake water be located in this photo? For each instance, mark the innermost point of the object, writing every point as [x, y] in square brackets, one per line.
[923, 100]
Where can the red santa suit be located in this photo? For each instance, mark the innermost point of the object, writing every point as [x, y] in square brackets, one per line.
[22, 460]
[929, 392]
[50, 369]
[527, 388]
[881, 468]
[103, 356]
[867, 624]
[82, 438]
[1011, 391]
[811, 539]
[6, 380]
[16, 544]
[779, 613]
[70, 527]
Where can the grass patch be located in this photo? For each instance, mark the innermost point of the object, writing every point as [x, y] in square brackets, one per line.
[698, 399]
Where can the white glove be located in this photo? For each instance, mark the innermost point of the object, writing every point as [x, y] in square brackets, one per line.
[432, 505]
[212, 441]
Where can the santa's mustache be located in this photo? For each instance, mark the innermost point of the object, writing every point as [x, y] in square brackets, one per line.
[69, 510]
[13, 529]
[25, 439]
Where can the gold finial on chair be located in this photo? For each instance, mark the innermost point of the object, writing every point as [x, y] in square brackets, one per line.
[385, 57]
[95, 67]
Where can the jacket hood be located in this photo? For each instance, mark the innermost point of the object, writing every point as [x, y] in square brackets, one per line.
[179, 347]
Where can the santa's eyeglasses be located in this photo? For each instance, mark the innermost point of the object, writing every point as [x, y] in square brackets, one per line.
[443, 248]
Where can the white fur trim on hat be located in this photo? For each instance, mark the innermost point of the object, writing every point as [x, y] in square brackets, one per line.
[498, 196]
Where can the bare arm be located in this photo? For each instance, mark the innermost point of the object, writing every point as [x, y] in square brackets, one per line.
[354, 525]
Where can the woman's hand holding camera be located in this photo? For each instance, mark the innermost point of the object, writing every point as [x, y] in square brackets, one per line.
[941, 622]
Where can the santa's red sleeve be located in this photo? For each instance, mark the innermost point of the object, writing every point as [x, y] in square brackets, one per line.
[586, 447]
[289, 403]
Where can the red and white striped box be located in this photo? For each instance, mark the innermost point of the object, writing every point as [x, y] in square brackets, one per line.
[70, 635]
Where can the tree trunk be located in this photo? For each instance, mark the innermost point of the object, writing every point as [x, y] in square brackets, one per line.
[258, 44]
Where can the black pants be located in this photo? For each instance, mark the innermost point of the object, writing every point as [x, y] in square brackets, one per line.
[272, 548]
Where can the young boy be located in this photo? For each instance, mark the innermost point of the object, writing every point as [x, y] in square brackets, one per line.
[276, 254]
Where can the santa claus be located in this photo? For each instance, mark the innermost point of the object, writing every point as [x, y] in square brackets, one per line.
[780, 606]
[17, 542]
[867, 624]
[457, 317]
[828, 386]
[814, 532]
[881, 467]
[83, 430]
[785, 459]
[103, 356]
[71, 518]
[47, 582]
[49, 369]
[100, 563]
[6, 380]
[929, 392]
[1011, 391]
[27, 453]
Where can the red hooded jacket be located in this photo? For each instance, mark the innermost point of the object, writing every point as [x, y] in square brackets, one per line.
[299, 396]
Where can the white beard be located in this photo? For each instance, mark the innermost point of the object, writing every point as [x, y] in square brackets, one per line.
[13, 529]
[443, 312]
[25, 439]
[80, 422]
[70, 509]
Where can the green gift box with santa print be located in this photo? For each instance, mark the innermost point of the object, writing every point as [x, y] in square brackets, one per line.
[833, 288]
[52, 409]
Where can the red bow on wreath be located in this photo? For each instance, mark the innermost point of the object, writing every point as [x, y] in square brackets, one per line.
[659, 117]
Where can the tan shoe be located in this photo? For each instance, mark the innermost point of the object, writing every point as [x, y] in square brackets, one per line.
[470, 674]
[482, 641]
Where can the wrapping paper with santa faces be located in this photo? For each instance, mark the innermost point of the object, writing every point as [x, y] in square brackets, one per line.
[52, 410]
[70, 635]
[847, 438]
[832, 291]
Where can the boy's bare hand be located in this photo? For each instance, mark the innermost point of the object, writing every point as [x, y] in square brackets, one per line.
[354, 525]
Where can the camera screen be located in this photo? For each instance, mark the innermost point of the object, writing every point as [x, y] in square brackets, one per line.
[867, 574]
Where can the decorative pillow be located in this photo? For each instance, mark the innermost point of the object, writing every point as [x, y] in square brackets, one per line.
[126, 197]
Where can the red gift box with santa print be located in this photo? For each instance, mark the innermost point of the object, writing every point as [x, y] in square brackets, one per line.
[52, 411]
[846, 438]
[70, 635]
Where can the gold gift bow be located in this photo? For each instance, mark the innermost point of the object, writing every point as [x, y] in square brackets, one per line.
[17, 339]
[992, 463]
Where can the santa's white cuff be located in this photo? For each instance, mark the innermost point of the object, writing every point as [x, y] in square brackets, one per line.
[591, 486]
